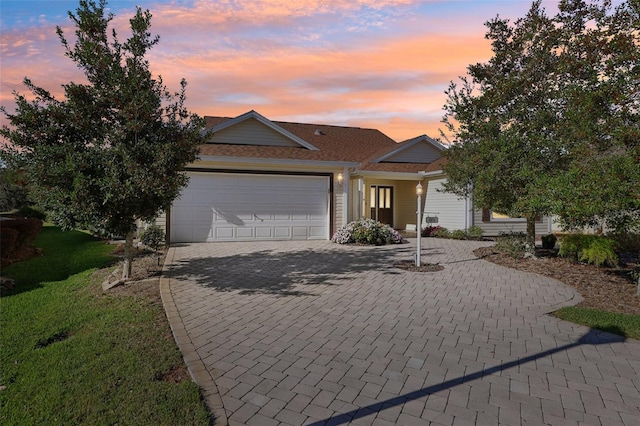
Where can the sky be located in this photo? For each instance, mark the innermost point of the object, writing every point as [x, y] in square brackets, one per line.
[382, 64]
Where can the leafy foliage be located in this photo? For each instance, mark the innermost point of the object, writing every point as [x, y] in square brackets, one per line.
[431, 231]
[17, 234]
[549, 241]
[153, 237]
[13, 193]
[549, 125]
[514, 244]
[366, 231]
[594, 249]
[114, 149]
[475, 231]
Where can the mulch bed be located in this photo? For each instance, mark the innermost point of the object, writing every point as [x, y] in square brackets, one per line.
[409, 265]
[607, 289]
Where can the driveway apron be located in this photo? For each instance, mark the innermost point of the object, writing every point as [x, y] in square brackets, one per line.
[315, 333]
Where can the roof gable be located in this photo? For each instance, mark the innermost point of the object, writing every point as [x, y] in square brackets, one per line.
[252, 128]
[421, 149]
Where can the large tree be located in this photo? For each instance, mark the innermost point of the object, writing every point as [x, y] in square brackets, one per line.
[113, 150]
[551, 116]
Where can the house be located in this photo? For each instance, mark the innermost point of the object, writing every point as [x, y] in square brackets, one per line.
[259, 179]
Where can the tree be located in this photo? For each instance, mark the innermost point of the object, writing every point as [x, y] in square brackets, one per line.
[600, 74]
[13, 195]
[502, 118]
[552, 113]
[113, 150]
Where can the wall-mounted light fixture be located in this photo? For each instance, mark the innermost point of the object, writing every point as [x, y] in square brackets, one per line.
[340, 179]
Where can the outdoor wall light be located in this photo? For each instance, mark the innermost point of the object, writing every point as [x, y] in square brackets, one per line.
[340, 179]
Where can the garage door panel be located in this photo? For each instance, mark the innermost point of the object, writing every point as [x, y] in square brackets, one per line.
[228, 207]
[222, 232]
[282, 232]
[244, 233]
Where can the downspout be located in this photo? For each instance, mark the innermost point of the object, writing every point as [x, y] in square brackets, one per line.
[468, 212]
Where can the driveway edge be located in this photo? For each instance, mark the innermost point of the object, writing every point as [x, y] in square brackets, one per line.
[199, 373]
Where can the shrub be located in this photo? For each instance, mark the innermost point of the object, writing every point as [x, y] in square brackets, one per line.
[152, 237]
[593, 249]
[430, 231]
[475, 232]
[549, 241]
[366, 231]
[628, 242]
[442, 232]
[458, 234]
[30, 212]
[18, 234]
[8, 241]
[513, 243]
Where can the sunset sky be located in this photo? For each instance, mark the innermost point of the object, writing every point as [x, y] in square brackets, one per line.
[368, 63]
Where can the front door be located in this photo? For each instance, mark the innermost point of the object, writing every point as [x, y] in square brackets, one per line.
[382, 204]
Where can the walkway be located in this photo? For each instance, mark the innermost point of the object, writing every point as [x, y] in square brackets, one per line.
[293, 333]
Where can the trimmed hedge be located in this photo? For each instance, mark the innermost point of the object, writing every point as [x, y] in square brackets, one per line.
[16, 235]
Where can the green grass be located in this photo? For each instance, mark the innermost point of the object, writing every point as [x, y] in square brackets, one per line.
[622, 324]
[71, 355]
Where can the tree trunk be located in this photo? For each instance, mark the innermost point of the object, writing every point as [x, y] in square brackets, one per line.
[530, 250]
[128, 256]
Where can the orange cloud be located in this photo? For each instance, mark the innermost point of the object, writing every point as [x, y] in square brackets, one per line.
[283, 59]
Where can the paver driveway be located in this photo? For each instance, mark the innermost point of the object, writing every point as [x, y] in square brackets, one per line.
[315, 333]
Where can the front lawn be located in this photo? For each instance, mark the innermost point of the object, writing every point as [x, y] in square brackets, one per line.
[622, 324]
[73, 355]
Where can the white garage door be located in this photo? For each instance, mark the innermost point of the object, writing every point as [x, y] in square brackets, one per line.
[243, 207]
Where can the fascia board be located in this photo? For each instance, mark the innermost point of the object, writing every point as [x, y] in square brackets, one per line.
[270, 161]
[388, 175]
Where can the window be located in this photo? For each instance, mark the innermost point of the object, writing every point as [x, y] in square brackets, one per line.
[489, 215]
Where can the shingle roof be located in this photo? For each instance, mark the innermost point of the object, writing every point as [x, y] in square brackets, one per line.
[334, 143]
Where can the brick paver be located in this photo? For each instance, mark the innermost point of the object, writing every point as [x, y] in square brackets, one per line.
[312, 332]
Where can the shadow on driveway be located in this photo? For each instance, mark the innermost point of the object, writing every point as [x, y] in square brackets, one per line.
[285, 273]
[592, 337]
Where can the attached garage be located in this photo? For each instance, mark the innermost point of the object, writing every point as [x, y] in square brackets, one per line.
[246, 207]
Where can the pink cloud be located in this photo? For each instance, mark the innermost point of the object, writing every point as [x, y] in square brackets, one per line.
[392, 80]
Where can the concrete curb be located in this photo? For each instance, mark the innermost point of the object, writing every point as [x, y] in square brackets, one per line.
[196, 366]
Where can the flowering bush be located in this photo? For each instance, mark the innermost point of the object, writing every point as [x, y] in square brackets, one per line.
[431, 231]
[366, 231]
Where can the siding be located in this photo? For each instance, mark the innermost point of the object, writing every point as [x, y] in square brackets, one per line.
[404, 200]
[492, 229]
[339, 203]
[418, 153]
[251, 132]
[450, 208]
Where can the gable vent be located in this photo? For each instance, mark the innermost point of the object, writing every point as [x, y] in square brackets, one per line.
[318, 132]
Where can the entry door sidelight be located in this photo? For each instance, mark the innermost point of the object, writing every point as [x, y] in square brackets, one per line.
[382, 204]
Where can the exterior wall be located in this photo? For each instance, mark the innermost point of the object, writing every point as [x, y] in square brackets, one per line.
[492, 229]
[356, 200]
[251, 132]
[404, 200]
[340, 197]
[407, 203]
[449, 208]
[418, 153]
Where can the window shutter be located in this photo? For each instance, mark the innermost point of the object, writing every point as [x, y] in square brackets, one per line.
[486, 215]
